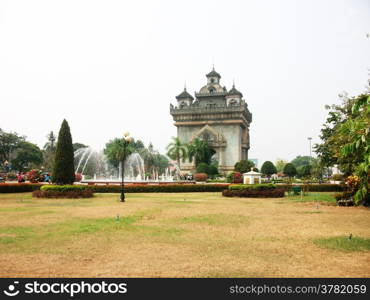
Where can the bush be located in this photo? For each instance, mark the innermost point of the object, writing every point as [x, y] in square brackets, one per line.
[234, 177]
[11, 176]
[254, 193]
[84, 193]
[217, 180]
[18, 187]
[337, 177]
[344, 199]
[212, 170]
[200, 176]
[203, 168]
[260, 187]
[35, 176]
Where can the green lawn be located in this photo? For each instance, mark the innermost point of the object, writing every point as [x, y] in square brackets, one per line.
[182, 235]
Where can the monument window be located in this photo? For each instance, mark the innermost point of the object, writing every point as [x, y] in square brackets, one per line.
[211, 90]
[212, 80]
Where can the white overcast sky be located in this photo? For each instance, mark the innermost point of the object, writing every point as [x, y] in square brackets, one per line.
[115, 66]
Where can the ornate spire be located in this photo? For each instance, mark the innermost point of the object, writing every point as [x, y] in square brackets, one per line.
[234, 91]
[213, 73]
[184, 95]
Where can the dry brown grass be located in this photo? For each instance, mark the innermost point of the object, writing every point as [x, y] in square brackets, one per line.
[177, 235]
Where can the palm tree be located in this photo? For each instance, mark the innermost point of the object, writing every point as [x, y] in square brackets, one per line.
[177, 150]
[200, 151]
[50, 145]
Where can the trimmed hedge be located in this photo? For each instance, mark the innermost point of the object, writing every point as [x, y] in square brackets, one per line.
[63, 188]
[260, 187]
[82, 193]
[136, 188]
[255, 193]
[19, 187]
[167, 188]
[315, 187]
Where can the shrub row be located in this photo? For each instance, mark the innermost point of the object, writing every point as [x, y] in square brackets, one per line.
[136, 188]
[84, 193]
[254, 193]
[259, 187]
[168, 188]
[19, 187]
[63, 188]
[315, 187]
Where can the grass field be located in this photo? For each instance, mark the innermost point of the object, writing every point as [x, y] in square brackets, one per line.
[182, 235]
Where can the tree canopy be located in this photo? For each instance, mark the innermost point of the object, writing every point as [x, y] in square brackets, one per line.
[176, 150]
[290, 170]
[346, 141]
[244, 166]
[200, 151]
[268, 168]
[26, 155]
[280, 164]
[301, 161]
[9, 142]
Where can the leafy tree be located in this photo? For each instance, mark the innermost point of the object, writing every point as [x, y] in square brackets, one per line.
[9, 141]
[176, 150]
[290, 170]
[301, 161]
[280, 164]
[268, 168]
[329, 150]
[356, 129]
[137, 145]
[50, 144]
[304, 171]
[160, 162]
[27, 154]
[64, 172]
[203, 168]
[212, 170]
[346, 140]
[114, 151]
[244, 166]
[200, 151]
[77, 146]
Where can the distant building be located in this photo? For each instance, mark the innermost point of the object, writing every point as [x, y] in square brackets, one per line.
[217, 115]
[255, 161]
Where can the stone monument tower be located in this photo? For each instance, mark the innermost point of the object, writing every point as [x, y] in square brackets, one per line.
[217, 115]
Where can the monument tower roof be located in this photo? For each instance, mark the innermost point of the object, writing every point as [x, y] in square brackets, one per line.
[213, 73]
[234, 91]
[184, 95]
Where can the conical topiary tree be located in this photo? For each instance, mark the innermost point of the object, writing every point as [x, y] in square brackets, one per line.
[64, 169]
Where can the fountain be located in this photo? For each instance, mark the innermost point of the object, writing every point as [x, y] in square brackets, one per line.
[94, 168]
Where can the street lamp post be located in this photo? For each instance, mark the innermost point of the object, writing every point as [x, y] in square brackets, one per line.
[310, 139]
[126, 141]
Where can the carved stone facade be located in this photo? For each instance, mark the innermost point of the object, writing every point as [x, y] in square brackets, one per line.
[217, 115]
